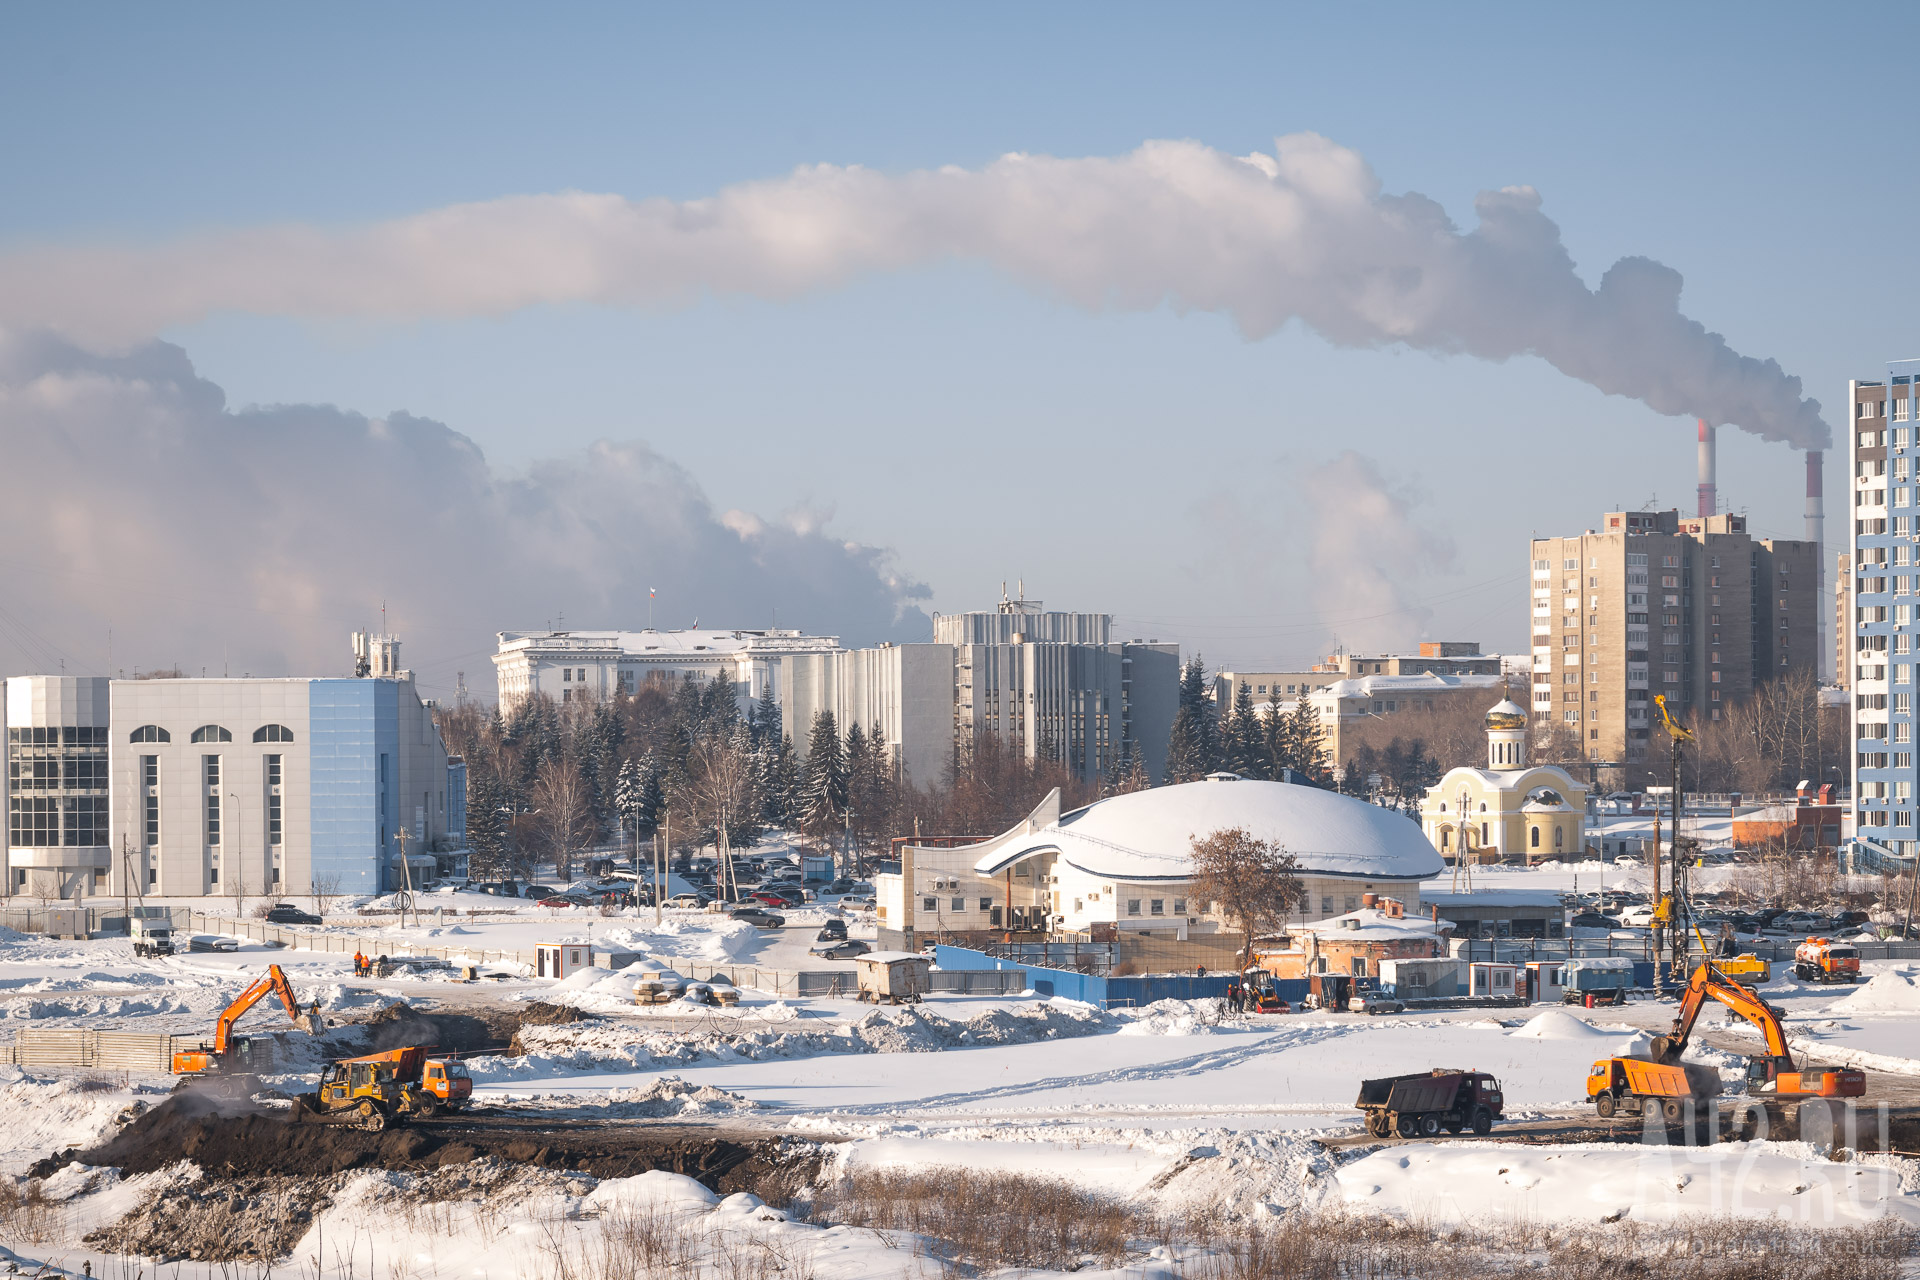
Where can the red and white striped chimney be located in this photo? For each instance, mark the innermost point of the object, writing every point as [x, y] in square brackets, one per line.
[1708, 491]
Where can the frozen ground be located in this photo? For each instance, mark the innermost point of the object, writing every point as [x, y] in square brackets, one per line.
[1173, 1106]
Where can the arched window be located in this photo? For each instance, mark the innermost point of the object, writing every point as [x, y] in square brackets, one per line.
[149, 733]
[211, 733]
[1445, 835]
[1534, 839]
[273, 733]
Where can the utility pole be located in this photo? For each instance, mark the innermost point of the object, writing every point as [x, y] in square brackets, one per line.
[406, 872]
[659, 881]
[1463, 858]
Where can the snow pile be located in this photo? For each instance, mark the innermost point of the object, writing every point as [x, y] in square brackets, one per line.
[1558, 1024]
[41, 1114]
[672, 1096]
[97, 1007]
[1895, 990]
[594, 1046]
[1173, 1018]
[1478, 1182]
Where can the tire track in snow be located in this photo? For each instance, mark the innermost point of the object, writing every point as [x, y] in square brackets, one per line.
[1213, 1060]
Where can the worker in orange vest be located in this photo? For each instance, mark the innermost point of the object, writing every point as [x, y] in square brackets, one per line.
[359, 964]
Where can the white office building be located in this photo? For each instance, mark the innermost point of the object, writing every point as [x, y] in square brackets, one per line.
[247, 787]
[564, 665]
[1885, 557]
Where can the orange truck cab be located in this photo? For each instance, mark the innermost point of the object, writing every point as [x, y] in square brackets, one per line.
[1824, 960]
[447, 1080]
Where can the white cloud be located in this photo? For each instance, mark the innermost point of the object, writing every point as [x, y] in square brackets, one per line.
[1370, 562]
[1304, 233]
[138, 502]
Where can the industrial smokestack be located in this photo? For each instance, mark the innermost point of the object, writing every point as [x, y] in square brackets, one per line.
[1708, 491]
[1816, 502]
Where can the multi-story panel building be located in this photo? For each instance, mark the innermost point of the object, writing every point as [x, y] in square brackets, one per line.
[1884, 551]
[1057, 684]
[1651, 603]
[1843, 620]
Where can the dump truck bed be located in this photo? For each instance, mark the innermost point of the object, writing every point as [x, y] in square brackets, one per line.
[1428, 1091]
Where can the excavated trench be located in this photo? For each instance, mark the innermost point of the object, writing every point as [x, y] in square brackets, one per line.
[236, 1140]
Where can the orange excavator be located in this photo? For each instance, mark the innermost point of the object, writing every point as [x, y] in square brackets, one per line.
[230, 1064]
[1773, 1078]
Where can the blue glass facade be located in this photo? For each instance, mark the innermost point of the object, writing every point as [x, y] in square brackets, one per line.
[457, 803]
[354, 755]
[1885, 557]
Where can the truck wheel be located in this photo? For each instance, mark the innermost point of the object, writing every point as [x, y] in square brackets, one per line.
[1483, 1122]
[428, 1107]
[1671, 1111]
[1429, 1126]
[1405, 1126]
[1603, 1105]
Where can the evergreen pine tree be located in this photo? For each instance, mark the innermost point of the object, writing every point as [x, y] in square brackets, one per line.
[781, 798]
[1306, 745]
[486, 826]
[1243, 745]
[766, 718]
[1193, 746]
[823, 778]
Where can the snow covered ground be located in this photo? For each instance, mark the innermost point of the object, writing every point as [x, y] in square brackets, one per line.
[1175, 1106]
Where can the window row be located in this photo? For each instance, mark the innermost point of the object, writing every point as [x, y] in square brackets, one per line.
[58, 736]
[57, 773]
[44, 822]
[211, 733]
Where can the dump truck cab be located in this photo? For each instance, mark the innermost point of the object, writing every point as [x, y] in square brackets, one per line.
[447, 1082]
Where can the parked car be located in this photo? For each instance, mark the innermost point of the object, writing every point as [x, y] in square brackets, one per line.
[788, 895]
[287, 913]
[1375, 1002]
[1638, 917]
[691, 901]
[757, 914]
[868, 903]
[835, 930]
[1592, 920]
[538, 891]
[212, 942]
[842, 885]
[845, 949]
[568, 900]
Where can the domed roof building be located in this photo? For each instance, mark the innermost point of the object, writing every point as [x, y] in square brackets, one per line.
[1508, 811]
[1122, 865]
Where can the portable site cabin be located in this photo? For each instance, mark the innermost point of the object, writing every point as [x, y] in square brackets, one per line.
[1495, 981]
[1597, 980]
[896, 977]
[1432, 978]
[1545, 981]
[560, 959]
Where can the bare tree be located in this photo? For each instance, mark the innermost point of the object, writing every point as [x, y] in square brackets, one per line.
[720, 792]
[1251, 882]
[565, 810]
[326, 891]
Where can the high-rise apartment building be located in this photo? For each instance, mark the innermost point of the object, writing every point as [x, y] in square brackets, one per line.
[1885, 548]
[1652, 603]
[1843, 620]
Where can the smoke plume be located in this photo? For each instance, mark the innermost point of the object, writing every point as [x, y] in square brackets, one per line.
[1304, 233]
[1370, 562]
[138, 502]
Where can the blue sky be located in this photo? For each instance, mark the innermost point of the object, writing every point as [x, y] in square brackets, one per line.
[1142, 464]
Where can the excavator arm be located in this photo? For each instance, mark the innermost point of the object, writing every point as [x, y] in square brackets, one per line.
[1708, 983]
[275, 983]
[1675, 730]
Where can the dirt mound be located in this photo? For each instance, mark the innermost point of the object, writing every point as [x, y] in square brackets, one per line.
[232, 1141]
[399, 1024]
[255, 1219]
[541, 1014]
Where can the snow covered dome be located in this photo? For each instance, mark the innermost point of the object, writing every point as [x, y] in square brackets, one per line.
[1148, 835]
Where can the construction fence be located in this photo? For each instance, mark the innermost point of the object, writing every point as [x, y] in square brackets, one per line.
[104, 1050]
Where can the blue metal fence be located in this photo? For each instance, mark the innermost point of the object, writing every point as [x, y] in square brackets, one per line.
[1106, 992]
